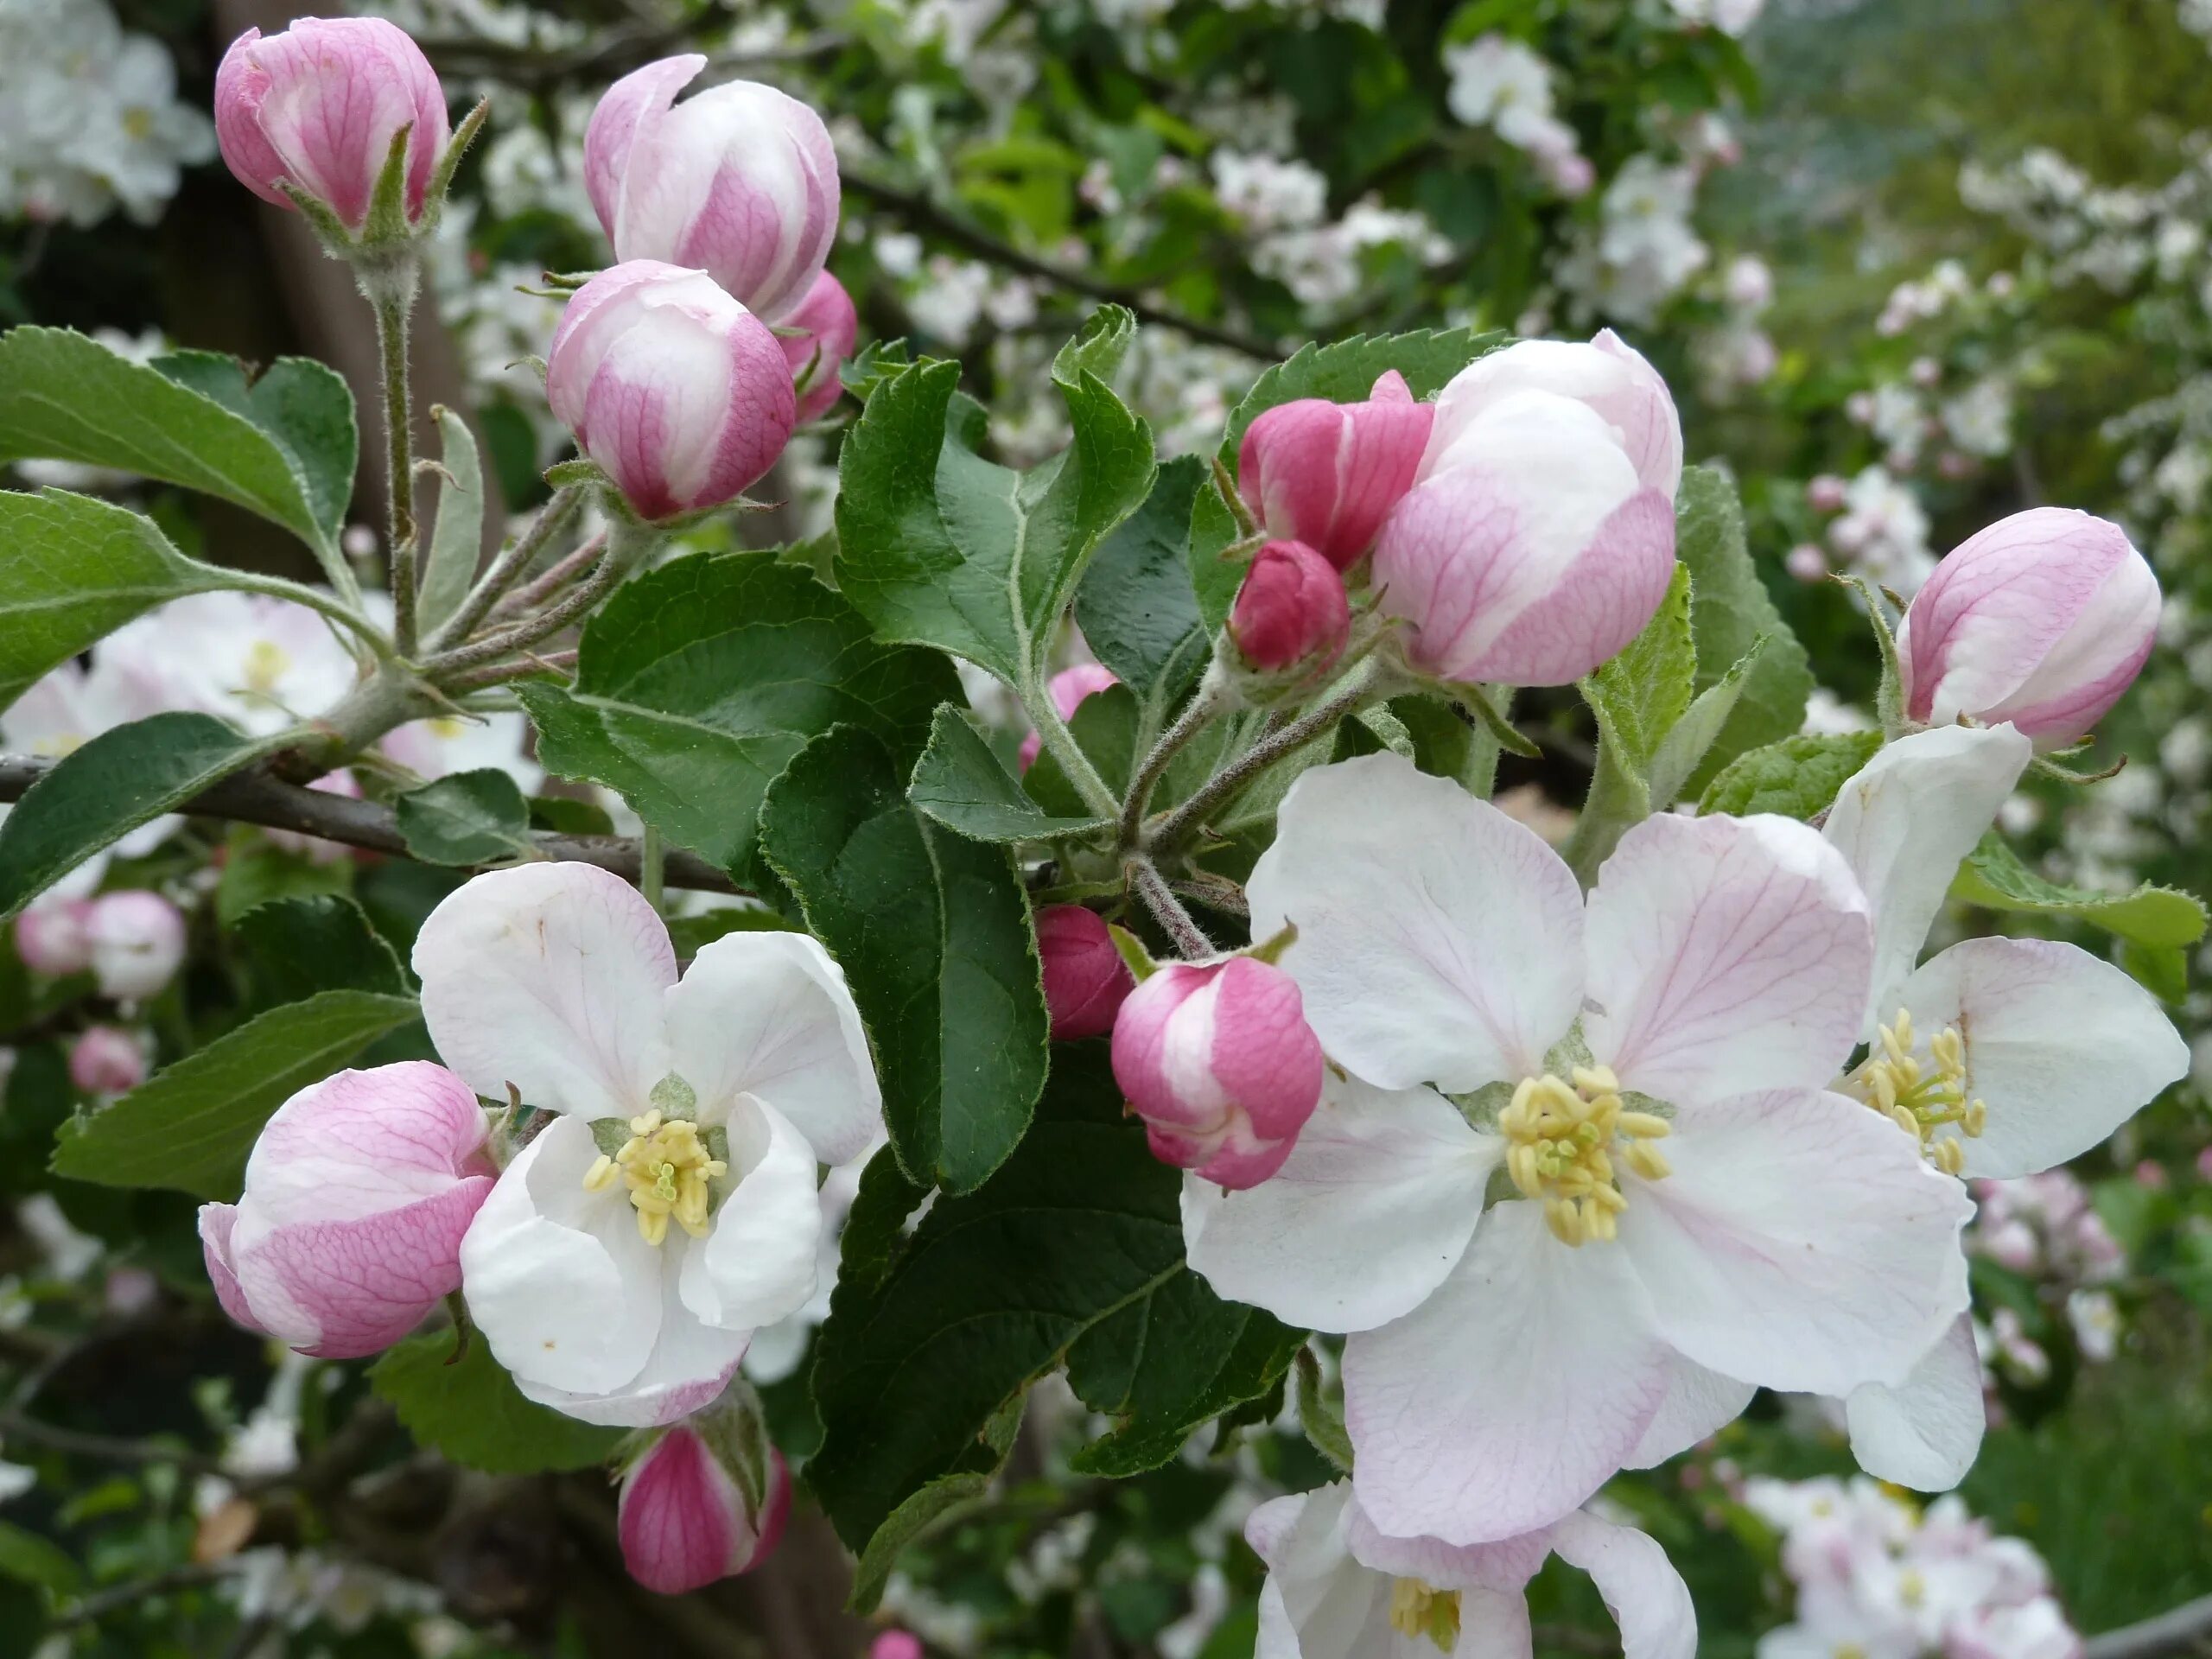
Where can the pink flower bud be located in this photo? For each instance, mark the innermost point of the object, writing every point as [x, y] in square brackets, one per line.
[1291, 613]
[678, 392]
[106, 1061]
[1607, 374]
[138, 942]
[52, 939]
[683, 1520]
[2043, 619]
[1068, 689]
[1807, 562]
[1086, 979]
[1327, 475]
[356, 1198]
[318, 106]
[1217, 1060]
[1826, 493]
[739, 180]
[895, 1644]
[829, 325]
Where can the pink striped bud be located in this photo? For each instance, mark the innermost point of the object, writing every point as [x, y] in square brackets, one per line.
[683, 1519]
[1327, 475]
[1068, 689]
[106, 1061]
[679, 393]
[739, 180]
[2041, 620]
[318, 106]
[826, 326]
[1086, 979]
[1826, 493]
[138, 942]
[52, 937]
[356, 1198]
[1217, 1060]
[1607, 375]
[1291, 615]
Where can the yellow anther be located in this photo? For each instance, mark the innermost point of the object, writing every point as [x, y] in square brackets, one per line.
[600, 1175]
[1648, 1161]
[1561, 1142]
[669, 1172]
[1418, 1610]
[265, 664]
[1922, 1098]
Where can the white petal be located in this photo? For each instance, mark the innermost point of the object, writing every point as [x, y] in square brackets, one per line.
[758, 1264]
[1925, 1434]
[1437, 938]
[1642, 1589]
[1699, 1402]
[769, 1015]
[2063, 1048]
[1726, 955]
[557, 1279]
[1374, 1207]
[1905, 821]
[1801, 1243]
[1332, 1607]
[686, 1369]
[1493, 1625]
[1511, 1394]
[1507, 1565]
[549, 977]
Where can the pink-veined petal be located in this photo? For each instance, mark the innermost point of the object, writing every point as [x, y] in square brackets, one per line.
[1699, 1402]
[1923, 1433]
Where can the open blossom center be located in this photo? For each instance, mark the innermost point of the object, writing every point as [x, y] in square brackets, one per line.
[1562, 1140]
[668, 1168]
[1922, 1096]
[1417, 1610]
[266, 664]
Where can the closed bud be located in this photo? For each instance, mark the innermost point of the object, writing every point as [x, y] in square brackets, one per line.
[107, 1061]
[1327, 475]
[2040, 621]
[138, 942]
[676, 392]
[356, 1198]
[1086, 979]
[1068, 690]
[52, 938]
[1217, 1060]
[739, 180]
[818, 335]
[683, 1518]
[318, 106]
[1608, 376]
[1291, 615]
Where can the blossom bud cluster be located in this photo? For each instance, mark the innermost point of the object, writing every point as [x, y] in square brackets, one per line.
[131, 941]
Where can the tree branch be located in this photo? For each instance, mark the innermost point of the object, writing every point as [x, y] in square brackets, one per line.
[22, 1430]
[2179, 1630]
[256, 798]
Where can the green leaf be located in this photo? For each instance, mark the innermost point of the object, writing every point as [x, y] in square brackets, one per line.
[469, 817]
[102, 791]
[937, 546]
[933, 933]
[935, 1505]
[1137, 608]
[961, 784]
[73, 571]
[319, 943]
[190, 1127]
[471, 1411]
[1346, 370]
[2162, 970]
[701, 680]
[65, 398]
[301, 406]
[1098, 347]
[256, 871]
[458, 536]
[1640, 695]
[1731, 612]
[2156, 919]
[1796, 778]
[28, 1558]
[1073, 1249]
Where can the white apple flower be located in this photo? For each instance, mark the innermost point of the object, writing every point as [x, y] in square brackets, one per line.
[2000, 1057]
[628, 1253]
[1338, 1588]
[1687, 1211]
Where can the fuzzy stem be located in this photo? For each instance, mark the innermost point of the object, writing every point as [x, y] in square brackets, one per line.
[1213, 698]
[392, 296]
[628, 546]
[538, 589]
[507, 568]
[1052, 731]
[315, 600]
[1168, 909]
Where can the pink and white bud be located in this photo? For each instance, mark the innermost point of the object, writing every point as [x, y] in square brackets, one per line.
[683, 1519]
[356, 1198]
[1217, 1060]
[1750, 283]
[1291, 615]
[318, 106]
[1826, 493]
[2042, 620]
[1068, 689]
[1807, 561]
[1327, 475]
[104, 1061]
[680, 394]
[739, 180]
[1607, 374]
[1086, 979]
[1534, 550]
[138, 942]
[52, 937]
[828, 325]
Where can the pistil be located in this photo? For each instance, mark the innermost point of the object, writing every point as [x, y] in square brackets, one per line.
[668, 1169]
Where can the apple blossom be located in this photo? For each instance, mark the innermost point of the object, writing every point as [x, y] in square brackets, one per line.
[674, 388]
[1218, 1061]
[52, 938]
[1688, 1210]
[357, 1195]
[1327, 475]
[1086, 979]
[1607, 374]
[1068, 690]
[670, 1208]
[318, 106]
[739, 180]
[826, 327]
[136, 943]
[2039, 622]
[684, 1520]
[1339, 1588]
[1291, 615]
[104, 1061]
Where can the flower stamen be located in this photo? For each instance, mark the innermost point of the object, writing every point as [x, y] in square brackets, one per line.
[1562, 1140]
[1417, 1609]
[668, 1169]
[1920, 1097]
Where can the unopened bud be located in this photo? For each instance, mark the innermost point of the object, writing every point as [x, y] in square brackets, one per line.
[107, 1061]
[683, 1519]
[1327, 475]
[1291, 615]
[1086, 979]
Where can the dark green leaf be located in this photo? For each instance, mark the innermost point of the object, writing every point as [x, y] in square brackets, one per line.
[300, 405]
[471, 1411]
[256, 871]
[961, 784]
[323, 943]
[469, 817]
[1796, 778]
[1136, 606]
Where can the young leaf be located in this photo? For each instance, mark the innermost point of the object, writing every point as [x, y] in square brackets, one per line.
[1136, 606]
[1640, 695]
[470, 818]
[961, 784]
[458, 536]
[933, 933]
[317, 943]
[1796, 778]
[191, 1126]
[2156, 919]
[301, 406]
[471, 1411]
